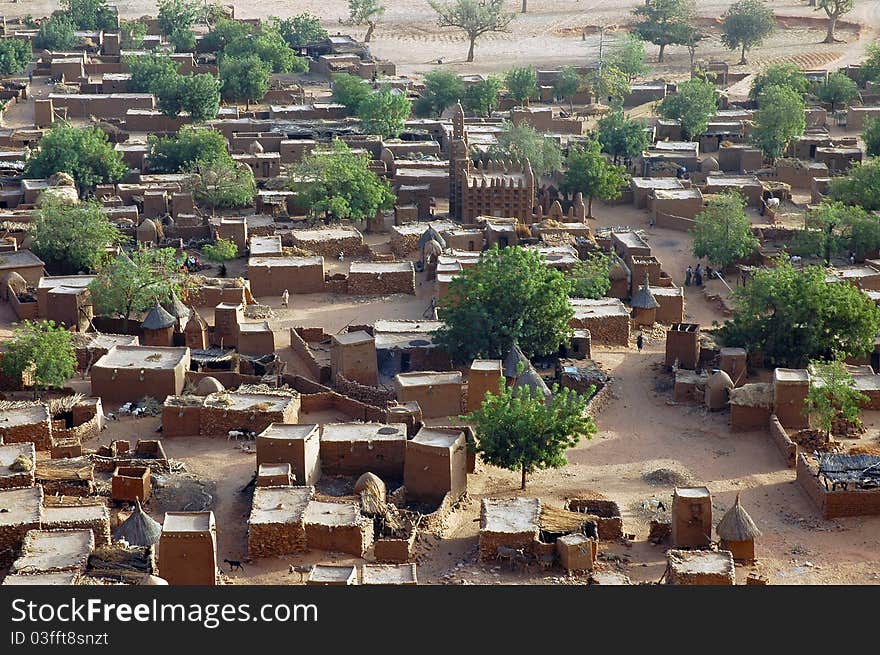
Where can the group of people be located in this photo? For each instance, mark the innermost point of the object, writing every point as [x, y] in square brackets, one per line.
[694, 275]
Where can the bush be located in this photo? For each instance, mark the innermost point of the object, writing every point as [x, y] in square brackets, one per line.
[56, 33]
[181, 151]
[15, 55]
[220, 251]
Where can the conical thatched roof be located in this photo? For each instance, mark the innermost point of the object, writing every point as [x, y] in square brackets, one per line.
[531, 379]
[737, 525]
[512, 361]
[178, 310]
[429, 234]
[139, 529]
[195, 322]
[643, 298]
[158, 319]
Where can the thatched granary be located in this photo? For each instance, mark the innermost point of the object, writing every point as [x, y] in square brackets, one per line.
[209, 385]
[179, 311]
[644, 304]
[139, 529]
[737, 532]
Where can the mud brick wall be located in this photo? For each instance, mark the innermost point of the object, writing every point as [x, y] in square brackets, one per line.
[671, 222]
[299, 343]
[180, 420]
[355, 539]
[14, 480]
[38, 433]
[489, 542]
[383, 458]
[99, 527]
[743, 418]
[684, 577]
[303, 385]
[109, 464]
[395, 551]
[381, 283]
[606, 330]
[274, 539]
[88, 430]
[229, 379]
[11, 539]
[839, 503]
[218, 421]
[128, 384]
[377, 396]
[350, 246]
[211, 296]
[600, 400]
[404, 244]
[80, 488]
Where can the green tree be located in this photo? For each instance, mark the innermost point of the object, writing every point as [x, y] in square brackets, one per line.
[90, 14]
[150, 72]
[83, 152]
[183, 40]
[474, 17]
[788, 75]
[567, 85]
[200, 96]
[519, 430]
[349, 90]
[588, 172]
[72, 237]
[869, 70]
[340, 184]
[590, 278]
[833, 394]
[793, 316]
[222, 183]
[722, 231]
[482, 97]
[693, 106]
[871, 136]
[270, 46]
[220, 251]
[244, 79]
[173, 154]
[622, 137]
[834, 9]
[664, 22]
[56, 33]
[779, 120]
[225, 32]
[132, 33]
[522, 142]
[630, 58]
[168, 92]
[364, 12]
[608, 82]
[745, 25]
[15, 55]
[522, 84]
[837, 90]
[510, 297]
[301, 30]
[833, 227]
[442, 89]
[384, 112]
[860, 186]
[177, 15]
[45, 350]
[134, 283]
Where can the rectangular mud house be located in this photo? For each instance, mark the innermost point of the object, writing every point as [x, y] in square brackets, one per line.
[751, 406]
[683, 345]
[17, 464]
[790, 389]
[327, 575]
[381, 278]
[438, 393]
[357, 448]
[297, 445]
[24, 511]
[508, 522]
[691, 517]
[50, 551]
[484, 377]
[607, 319]
[80, 515]
[436, 465]
[337, 527]
[274, 475]
[840, 484]
[188, 548]
[700, 567]
[29, 423]
[270, 276]
[353, 356]
[131, 483]
[128, 373]
[275, 526]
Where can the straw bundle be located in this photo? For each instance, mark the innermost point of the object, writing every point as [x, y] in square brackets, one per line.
[562, 521]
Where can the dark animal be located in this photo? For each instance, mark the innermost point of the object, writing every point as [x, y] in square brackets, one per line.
[302, 570]
[234, 564]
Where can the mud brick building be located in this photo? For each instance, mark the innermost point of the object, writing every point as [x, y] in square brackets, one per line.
[607, 319]
[381, 278]
[45, 551]
[356, 448]
[438, 393]
[270, 276]
[389, 574]
[353, 356]
[85, 514]
[276, 526]
[683, 345]
[26, 423]
[24, 512]
[128, 373]
[188, 548]
[840, 485]
[328, 242]
[9, 453]
[297, 445]
[700, 567]
[337, 527]
[256, 339]
[436, 465]
[509, 522]
[790, 389]
[220, 412]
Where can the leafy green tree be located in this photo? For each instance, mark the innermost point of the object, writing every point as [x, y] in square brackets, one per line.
[793, 316]
[364, 12]
[869, 70]
[177, 15]
[301, 30]
[56, 33]
[608, 82]
[43, 349]
[349, 90]
[72, 237]
[173, 154]
[510, 297]
[788, 75]
[220, 251]
[225, 32]
[834, 9]
[833, 394]
[474, 17]
[150, 72]
[519, 430]
[837, 90]
[442, 89]
[522, 142]
[693, 106]
[90, 14]
[244, 79]
[722, 231]
[183, 40]
[384, 112]
[779, 120]
[130, 284]
[871, 136]
[15, 55]
[270, 46]
[200, 96]
[833, 227]
[482, 97]
[132, 34]
[567, 85]
[860, 186]
[630, 58]
[588, 172]
[590, 277]
[746, 24]
[168, 92]
[222, 183]
[622, 137]
[340, 184]
[664, 22]
[83, 152]
[522, 84]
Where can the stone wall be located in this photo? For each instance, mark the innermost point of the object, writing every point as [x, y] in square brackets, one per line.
[377, 396]
[299, 343]
[381, 283]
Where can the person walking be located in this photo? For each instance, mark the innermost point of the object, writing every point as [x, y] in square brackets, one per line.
[285, 298]
[698, 275]
[688, 274]
[640, 342]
